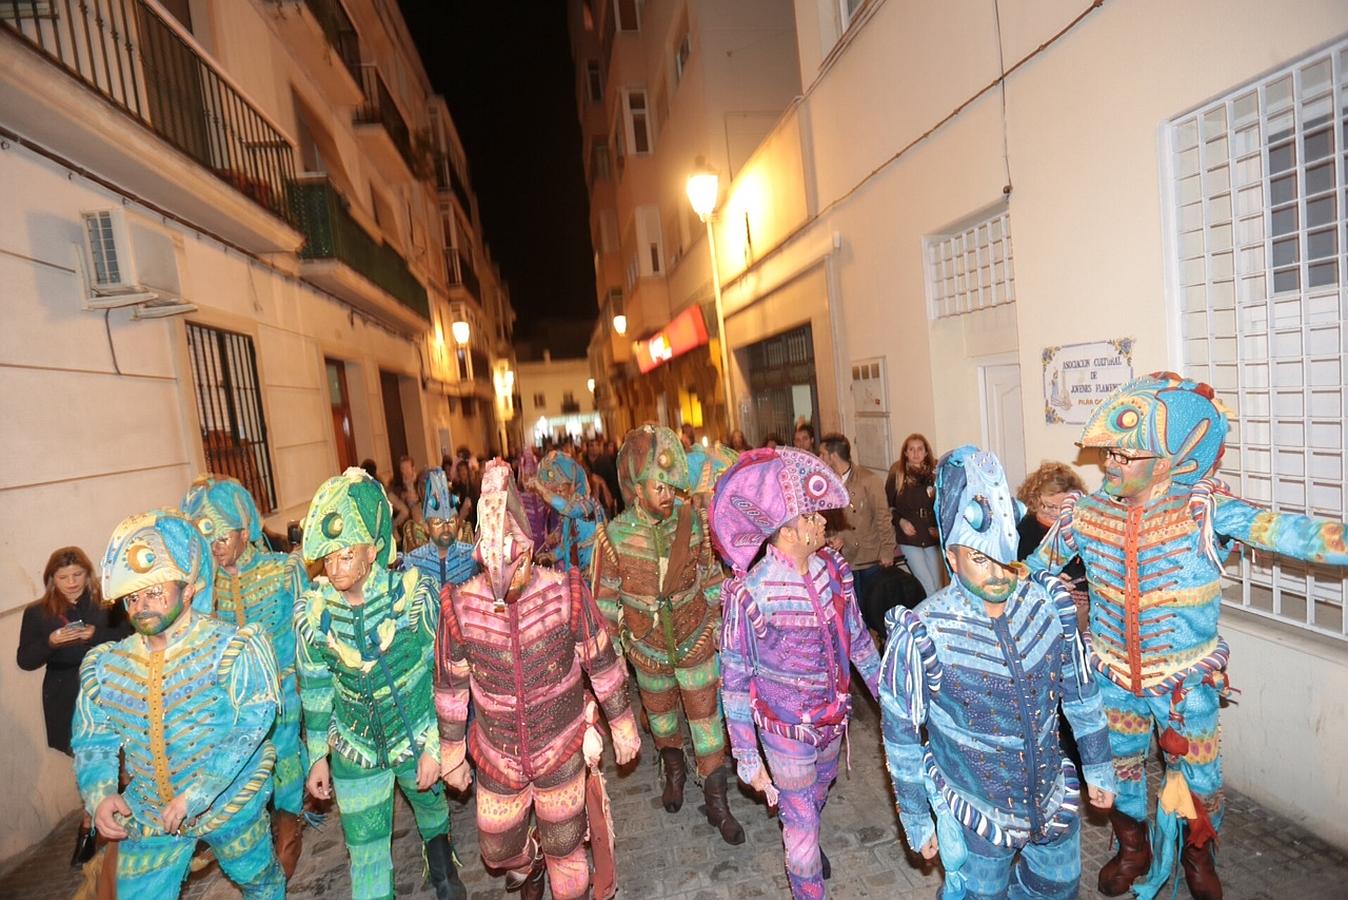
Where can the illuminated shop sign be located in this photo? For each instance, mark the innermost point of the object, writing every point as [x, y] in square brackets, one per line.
[684, 333]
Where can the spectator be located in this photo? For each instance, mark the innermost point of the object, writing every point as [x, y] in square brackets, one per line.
[687, 436]
[371, 468]
[865, 537]
[1043, 493]
[402, 495]
[738, 442]
[911, 489]
[804, 437]
[56, 632]
[772, 441]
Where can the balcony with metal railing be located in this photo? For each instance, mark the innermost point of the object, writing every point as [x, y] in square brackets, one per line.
[448, 180]
[381, 126]
[183, 135]
[324, 40]
[462, 275]
[341, 256]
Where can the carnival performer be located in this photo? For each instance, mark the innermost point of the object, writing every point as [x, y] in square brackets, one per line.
[183, 682]
[1154, 538]
[366, 656]
[518, 636]
[658, 582]
[705, 465]
[256, 586]
[534, 507]
[564, 485]
[791, 626]
[983, 664]
[443, 558]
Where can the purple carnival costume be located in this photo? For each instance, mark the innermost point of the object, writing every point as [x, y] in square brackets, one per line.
[786, 642]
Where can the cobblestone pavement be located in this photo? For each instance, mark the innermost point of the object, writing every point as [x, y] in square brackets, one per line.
[1263, 857]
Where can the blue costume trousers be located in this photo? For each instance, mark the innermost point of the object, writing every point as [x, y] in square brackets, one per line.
[1047, 871]
[291, 764]
[156, 866]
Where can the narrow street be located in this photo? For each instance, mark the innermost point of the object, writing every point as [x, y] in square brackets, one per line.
[680, 857]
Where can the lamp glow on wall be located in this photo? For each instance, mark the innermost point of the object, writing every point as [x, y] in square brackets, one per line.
[462, 333]
[703, 188]
[589, 383]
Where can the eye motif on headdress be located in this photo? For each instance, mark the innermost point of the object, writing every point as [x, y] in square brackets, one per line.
[1126, 419]
[206, 526]
[140, 557]
[816, 486]
[663, 460]
[978, 513]
[332, 525]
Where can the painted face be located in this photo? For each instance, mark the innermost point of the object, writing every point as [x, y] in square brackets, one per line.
[810, 530]
[154, 609]
[1050, 507]
[981, 575]
[70, 581]
[441, 531]
[1130, 475]
[227, 548]
[656, 497]
[347, 568]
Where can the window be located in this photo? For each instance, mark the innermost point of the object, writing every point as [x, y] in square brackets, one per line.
[568, 397]
[599, 164]
[229, 410]
[638, 122]
[847, 12]
[683, 48]
[1259, 263]
[627, 15]
[619, 144]
[540, 400]
[971, 269]
[594, 82]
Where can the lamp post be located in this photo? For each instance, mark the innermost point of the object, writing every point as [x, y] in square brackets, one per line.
[702, 187]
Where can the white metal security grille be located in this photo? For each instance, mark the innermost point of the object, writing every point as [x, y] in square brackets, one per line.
[1259, 185]
[971, 269]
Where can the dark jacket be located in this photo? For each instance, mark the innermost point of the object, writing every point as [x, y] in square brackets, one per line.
[61, 683]
[916, 503]
[1032, 532]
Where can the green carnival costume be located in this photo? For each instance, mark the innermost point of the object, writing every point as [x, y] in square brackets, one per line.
[365, 683]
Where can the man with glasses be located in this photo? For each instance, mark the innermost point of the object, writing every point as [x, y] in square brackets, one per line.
[443, 559]
[366, 658]
[1154, 539]
[790, 635]
[254, 585]
[183, 682]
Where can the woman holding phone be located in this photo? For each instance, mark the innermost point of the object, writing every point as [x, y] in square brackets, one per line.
[56, 632]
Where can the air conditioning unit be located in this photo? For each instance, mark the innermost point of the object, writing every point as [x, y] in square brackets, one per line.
[126, 262]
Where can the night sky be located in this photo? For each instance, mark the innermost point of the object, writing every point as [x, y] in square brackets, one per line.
[504, 68]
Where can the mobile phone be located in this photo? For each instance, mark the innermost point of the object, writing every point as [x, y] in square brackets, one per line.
[71, 626]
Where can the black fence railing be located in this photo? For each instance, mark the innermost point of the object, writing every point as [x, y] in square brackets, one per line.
[339, 30]
[379, 109]
[331, 233]
[462, 273]
[128, 54]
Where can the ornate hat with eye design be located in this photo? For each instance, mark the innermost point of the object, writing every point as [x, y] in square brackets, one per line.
[158, 547]
[349, 510]
[218, 504]
[975, 507]
[651, 453]
[436, 500]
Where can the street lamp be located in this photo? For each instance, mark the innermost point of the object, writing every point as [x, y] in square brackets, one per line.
[703, 189]
[620, 324]
[460, 331]
[589, 383]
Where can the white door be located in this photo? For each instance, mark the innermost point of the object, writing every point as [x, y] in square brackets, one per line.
[1003, 419]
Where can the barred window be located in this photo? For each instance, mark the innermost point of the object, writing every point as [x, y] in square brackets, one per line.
[1258, 181]
[971, 269]
[229, 409]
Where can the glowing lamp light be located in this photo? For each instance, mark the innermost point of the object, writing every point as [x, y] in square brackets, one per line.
[589, 383]
[661, 349]
[702, 189]
[620, 324]
[460, 331]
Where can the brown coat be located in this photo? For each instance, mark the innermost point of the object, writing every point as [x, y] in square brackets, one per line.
[867, 533]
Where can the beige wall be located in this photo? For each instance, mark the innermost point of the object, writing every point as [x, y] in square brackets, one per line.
[552, 379]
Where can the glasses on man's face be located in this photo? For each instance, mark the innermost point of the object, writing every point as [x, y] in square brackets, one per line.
[1125, 459]
[153, 595]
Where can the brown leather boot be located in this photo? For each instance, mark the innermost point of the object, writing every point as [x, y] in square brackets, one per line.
[1200, 872]
[718, 808]
[106, 886]
[285, 832]
[676, 774]
[1133, 858]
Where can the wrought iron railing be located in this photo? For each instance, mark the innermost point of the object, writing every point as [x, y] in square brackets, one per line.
[462, 273]
[125, 51]
[379, 109]
[447, 179]
[337, 28]
[331, 233]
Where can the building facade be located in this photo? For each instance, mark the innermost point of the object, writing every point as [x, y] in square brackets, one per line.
[557, 399]
[998, 214]
[660, 84]
[238, 238]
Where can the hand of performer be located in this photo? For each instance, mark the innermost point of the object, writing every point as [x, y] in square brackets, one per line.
[173, 815]
[104, 817]
[907, 528]
[1099, 797]
[835, 543]
[319, 783]
[428, 772]
[626, 744]
[763, 784]
[930, 848]
[459, 777]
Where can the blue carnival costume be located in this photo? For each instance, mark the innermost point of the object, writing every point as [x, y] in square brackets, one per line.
[263, 592]
[1154, 570]
[451, 565]
[987, 689]
[562, 482]
[191, 719]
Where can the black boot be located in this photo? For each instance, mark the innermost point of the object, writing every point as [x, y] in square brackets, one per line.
[84, 846]
[824, 866]
[676, 773]
[444, 878]
[718, 808]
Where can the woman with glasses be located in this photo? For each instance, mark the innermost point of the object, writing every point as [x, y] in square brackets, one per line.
[1044, 492]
